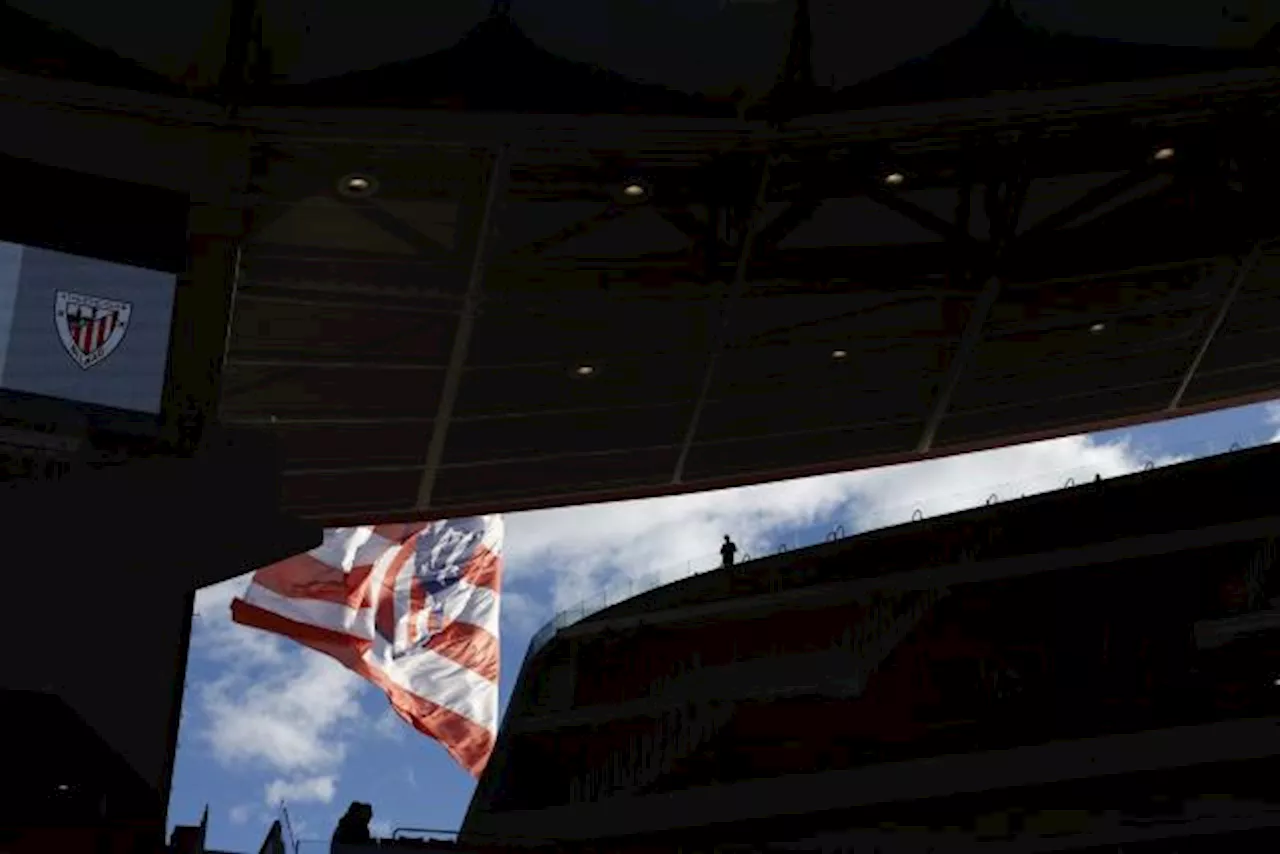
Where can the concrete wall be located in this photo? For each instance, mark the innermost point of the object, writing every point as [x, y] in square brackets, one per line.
[99, 573]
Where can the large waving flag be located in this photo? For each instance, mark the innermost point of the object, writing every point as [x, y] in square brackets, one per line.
[411, 608]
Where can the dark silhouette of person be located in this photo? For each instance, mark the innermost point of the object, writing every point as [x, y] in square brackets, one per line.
[728, 551]
[353, 827]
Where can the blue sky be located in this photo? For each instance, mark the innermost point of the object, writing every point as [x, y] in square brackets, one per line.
[265, 720]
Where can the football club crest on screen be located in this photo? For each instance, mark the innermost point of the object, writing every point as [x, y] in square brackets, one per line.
[91, 328]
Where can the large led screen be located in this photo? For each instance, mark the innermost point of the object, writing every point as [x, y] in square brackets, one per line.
[82, 329]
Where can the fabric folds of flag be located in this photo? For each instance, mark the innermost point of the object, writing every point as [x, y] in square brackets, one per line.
[411, 608]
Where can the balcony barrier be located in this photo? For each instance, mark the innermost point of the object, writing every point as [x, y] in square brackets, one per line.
[914, 512]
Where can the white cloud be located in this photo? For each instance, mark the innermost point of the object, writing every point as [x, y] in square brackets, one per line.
[586, 549]
[301, 791]
[288, 718]
[216, 638]
[1273, 419]
[272, 705]
[239, 814]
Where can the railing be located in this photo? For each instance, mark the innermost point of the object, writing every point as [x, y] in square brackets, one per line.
[873, 519]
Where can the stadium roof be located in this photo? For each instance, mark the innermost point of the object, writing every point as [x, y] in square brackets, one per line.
[509, 272]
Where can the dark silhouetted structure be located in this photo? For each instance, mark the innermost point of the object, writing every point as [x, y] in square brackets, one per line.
[950, 683]
[1013, 233]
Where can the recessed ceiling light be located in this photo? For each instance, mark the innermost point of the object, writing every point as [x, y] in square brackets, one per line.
[357, 185]
[895, 179]
[1098, 327]
[584, 370]
[634, 191]
[839, 354]
[1165, 152]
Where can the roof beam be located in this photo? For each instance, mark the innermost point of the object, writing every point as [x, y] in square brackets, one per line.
[736, 287]
[959, 362]
[396, 227]
[1003, 213]
[483, 249]
[278, 363]
[925, 219]
[609, 213]
[797, 214]
[1244, 267]
[1090, 201]
[204, 305]
[685, 220]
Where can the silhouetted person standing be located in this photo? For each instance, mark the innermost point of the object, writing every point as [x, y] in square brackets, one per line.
[728, 551]
[353, 827]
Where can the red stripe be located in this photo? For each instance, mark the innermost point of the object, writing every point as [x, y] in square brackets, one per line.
[467, 742]
[304, 577]
[359, 590]
[103, 329]
[385, 620]
[417, 599]
[484, 569]
[468, 645]
[83, 334]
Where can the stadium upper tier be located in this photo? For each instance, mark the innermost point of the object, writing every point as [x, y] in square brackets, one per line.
[487, 258]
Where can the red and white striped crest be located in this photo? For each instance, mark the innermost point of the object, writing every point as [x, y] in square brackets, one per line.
[91, 328]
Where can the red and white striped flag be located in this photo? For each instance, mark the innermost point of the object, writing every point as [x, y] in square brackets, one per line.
[411, 608]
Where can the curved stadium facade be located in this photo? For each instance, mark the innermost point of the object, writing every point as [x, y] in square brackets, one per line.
[1092, 667]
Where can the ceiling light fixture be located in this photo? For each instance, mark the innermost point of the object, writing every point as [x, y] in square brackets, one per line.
[839, 354]
[634, 190]
[895, 179]
[1165, 153]
[584, 370]
[357, 186]
[1098, 327]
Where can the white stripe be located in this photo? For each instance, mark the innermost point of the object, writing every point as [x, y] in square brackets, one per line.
[423, 673]
[467, 603]
[464, 603]
[376, 578]
[403, 593]
[347, 548]
[426, 674]
[357, 623]
[440, 680]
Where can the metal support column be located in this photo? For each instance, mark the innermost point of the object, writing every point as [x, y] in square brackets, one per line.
[1004, 212]
[498, 174]
[1244, 267]
[750, 229]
